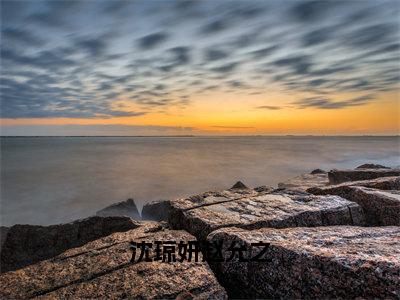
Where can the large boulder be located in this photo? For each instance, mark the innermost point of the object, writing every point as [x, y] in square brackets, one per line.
[124, 208]
[202, 214]
[156, 211]
[339, 176]
[28, 244]
[102, 269]
[381, 208]
[382, 183]
[305, 181]
[337, 262]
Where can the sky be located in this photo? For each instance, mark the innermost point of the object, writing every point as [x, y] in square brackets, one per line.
[200, 67]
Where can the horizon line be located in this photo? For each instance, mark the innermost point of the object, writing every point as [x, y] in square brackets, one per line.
[190, 135]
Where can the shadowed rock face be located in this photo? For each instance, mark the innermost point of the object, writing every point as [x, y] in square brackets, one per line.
[156, 211]
[314, 263]
[101, 269]
[339, 176]
[318, 171]
[125, 208]
[382, 208]
[239, 185]
[27, 244]
[305, 181]
[202, 214]
[372, 166]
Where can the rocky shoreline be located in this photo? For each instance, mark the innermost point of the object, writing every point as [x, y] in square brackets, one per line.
[330, 234]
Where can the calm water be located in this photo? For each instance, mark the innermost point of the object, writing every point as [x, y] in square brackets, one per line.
[52, 180]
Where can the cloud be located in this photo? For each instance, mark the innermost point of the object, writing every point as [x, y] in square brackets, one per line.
[43, 59]
[309, 11]
[152, 40]
[325, 103]
[332, 70]
[264, 52]
[227, 68]
[248, 10]
[39, 98]
[215, 54]
[94, 47]
[214, 26]
[373, 35]
[50, 48]
[47, 20]
[237, 84]
[269, 107]
[181, 55]
[232, 127]
[55, 13]
[22, 36]
[316, 37]
[117, 7]
[300, 64]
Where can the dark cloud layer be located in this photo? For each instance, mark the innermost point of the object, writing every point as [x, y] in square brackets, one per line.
[98, 59]
[326, 103]
[152, 40]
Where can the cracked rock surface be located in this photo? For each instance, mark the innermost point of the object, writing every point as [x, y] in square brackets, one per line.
[202, 214]
[381, 207]
[102, 269]
[27, 244]
[382, 183]
[339, 262]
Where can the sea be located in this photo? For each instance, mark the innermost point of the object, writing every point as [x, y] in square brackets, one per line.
[50, 180]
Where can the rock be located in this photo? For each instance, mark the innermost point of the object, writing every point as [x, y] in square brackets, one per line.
[382, 183]
[339, 176]
[239, 185]
[318, 171]
[202, 214]
[28, 244]
[382, 208]
[337, 262]
[124, 208]
[264, 188]
[3, 234]
[102, 269]
[372, 166]
[305, 181]
[156, 211]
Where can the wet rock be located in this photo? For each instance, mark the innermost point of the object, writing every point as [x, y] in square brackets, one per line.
[202, 214]
[372, 166]
[124, 208]
[338, 262]
[339, 176]
[239, 185]
[101, 269]
[318, 171]
[28, 244]
[380, 207]
[156, 211]
[305, 181]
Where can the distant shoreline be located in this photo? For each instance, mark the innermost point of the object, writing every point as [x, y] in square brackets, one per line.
[194, 136]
